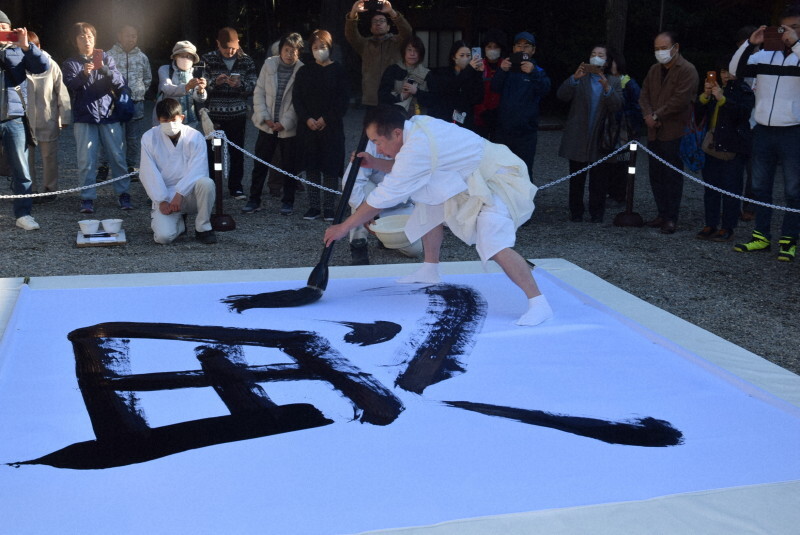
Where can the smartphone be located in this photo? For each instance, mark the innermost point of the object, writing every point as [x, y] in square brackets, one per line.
[198, 69]
[772, 38]
[371, 5]
[411, 81]
[592, 69]
[97, 58]
[476, 52]
[8, 36]
[711, 77]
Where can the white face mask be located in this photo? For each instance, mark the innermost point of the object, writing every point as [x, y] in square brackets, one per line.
[597, 61]
[493, 54]
[172, 128]
[322, 54]
[183, 64]
[664, 56]
[462, 62]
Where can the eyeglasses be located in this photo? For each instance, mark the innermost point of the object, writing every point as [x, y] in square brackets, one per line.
[378, 22]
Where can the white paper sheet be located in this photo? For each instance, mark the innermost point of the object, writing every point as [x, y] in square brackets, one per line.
[433, 463]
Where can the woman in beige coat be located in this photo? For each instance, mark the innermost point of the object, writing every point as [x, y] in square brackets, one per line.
[48, 111]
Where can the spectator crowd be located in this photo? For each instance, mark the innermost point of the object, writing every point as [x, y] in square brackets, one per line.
[743, 117]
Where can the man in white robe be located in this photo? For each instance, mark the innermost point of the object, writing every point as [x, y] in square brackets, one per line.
[173, 171]
[479, 189]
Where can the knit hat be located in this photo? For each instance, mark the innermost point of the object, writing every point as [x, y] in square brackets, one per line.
[4, 18]
[526, 36]
[185, 47]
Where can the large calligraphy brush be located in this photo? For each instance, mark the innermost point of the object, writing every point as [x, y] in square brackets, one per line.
[318, 280]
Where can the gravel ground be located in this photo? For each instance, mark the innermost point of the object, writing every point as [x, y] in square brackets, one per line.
[748, 299]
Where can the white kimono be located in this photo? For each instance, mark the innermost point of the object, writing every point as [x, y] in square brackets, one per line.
[481, 190]
[167, 168]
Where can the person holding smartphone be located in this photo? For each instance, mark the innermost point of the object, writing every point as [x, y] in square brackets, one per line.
[776, 135]
[91, 78]
[180, 80]
[593, 96]
[17, 57]
[381, 49]
[458, 87]
[231, 76]
[405, 83]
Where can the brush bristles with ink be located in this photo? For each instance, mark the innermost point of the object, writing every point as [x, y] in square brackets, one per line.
[279, 299]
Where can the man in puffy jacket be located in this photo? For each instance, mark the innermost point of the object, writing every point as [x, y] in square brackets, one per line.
[17, 57]
[521, 84]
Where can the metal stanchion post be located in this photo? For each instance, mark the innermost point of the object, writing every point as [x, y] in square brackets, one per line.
[629, 218]
[219, 221]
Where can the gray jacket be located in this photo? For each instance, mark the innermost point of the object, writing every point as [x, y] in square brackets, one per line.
[579, 141]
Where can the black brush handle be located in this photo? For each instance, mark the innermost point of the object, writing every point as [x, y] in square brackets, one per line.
[319, 276]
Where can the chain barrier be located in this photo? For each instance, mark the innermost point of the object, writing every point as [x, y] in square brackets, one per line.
[219, 134]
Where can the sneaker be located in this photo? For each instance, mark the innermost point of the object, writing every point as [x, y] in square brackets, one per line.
[238, 195]
[102, 174]
[723, 235]
[287, 208]
[134, 178]
[312, 214]
[87, 206]
[786, 254]
[758, 243]
[328, 216]
[208, 237]
[125, 201]
[27, 222]
[250, 207]
[706, 233]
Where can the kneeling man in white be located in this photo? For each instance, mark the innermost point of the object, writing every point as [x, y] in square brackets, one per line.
[174, 172]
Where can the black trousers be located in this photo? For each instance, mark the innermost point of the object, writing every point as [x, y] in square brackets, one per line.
[598, 187]
[266, 144]
[667, 185]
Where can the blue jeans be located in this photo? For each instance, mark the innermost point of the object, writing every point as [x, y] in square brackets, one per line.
[773, 144]
[12, 133]
[729, 176]
[88, 139]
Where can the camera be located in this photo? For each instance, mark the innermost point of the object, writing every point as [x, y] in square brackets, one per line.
[411, 81]
[516, 60]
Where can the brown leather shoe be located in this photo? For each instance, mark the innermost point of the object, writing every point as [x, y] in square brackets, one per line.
[657, 222]
[668, 227]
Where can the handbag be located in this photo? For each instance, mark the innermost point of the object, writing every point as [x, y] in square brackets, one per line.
[123, 108]
[691, 147]
[614, 133]
[708, 148]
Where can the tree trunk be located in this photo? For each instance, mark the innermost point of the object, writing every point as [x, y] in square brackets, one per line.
[616, 15]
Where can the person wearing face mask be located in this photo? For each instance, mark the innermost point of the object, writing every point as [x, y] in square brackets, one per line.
[320, 99]
[405, 83]
[494, 48]
[276, 120]
[593, 94]
[668, 92]
[231, 76]
[174, 174]
[458, 87]
[177, 80]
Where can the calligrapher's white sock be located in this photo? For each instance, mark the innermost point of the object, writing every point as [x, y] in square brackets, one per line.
[538, 311]
[428, 273]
